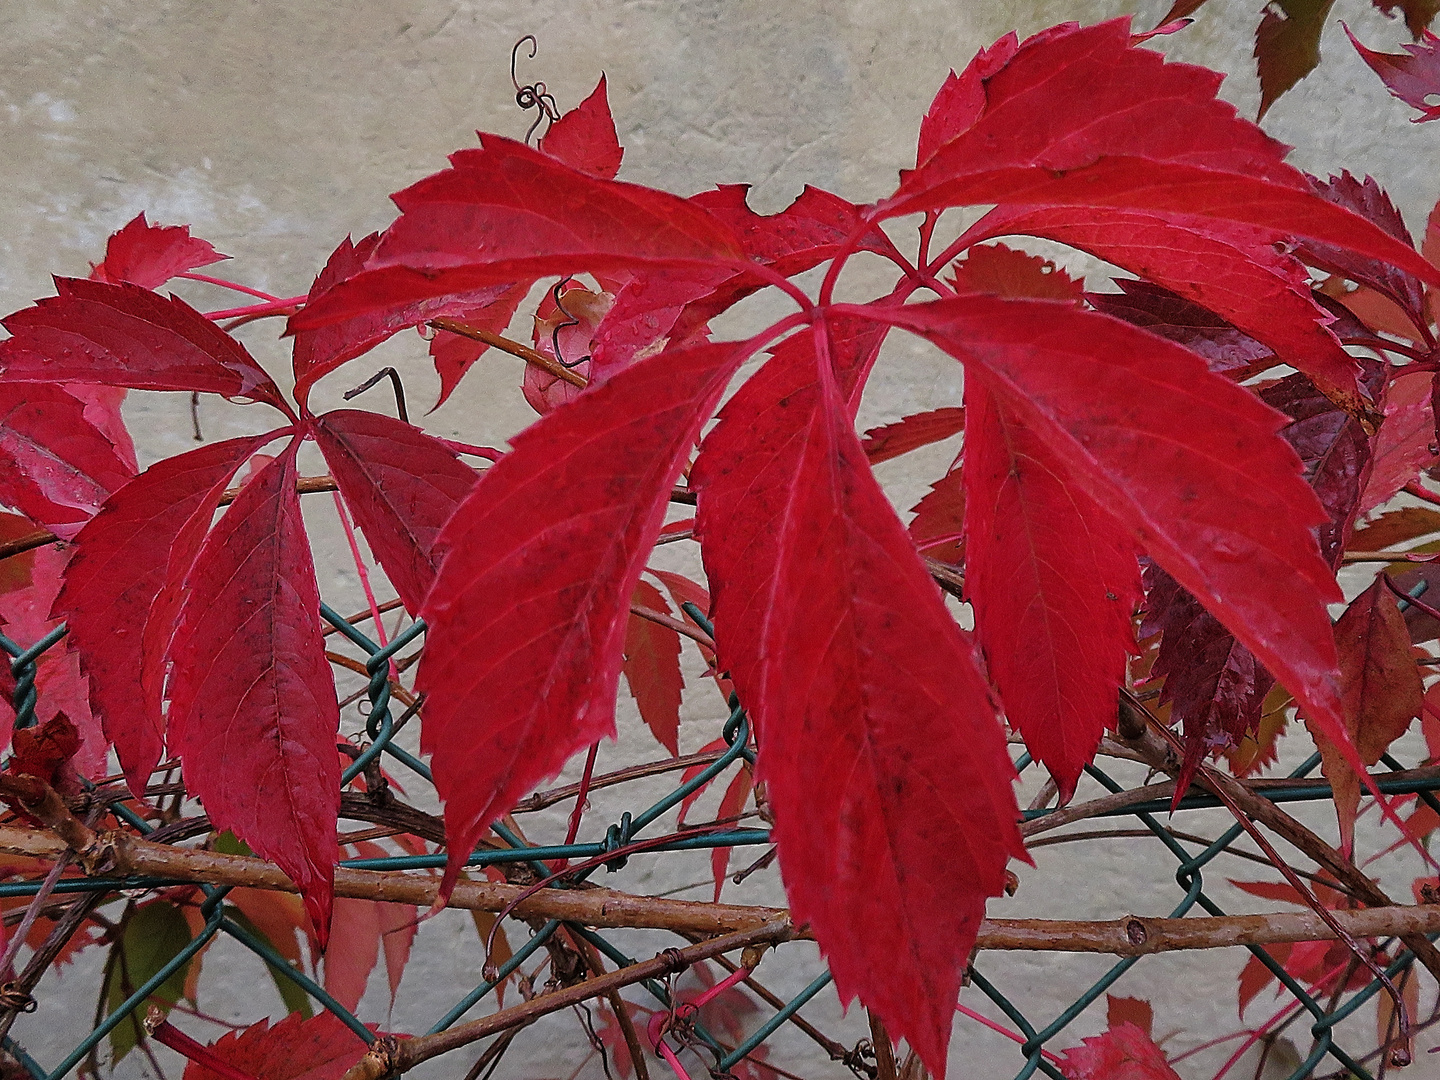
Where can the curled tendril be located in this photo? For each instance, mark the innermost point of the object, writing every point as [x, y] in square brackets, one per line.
[571, 321]
[534, 96]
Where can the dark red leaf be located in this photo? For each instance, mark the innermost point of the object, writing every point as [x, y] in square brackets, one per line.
[1287, 45]
[732, 804]
[453, 354]
[682, 590]
[56, 467]
[911, 433]
[879, 741]
[150, 255]
[1080, 117]
[1418, 13]
[1402, 448]
[938, 527]
[317, 352]
[321, 1048]
[1412, 76]
[1396, 527]
[1002, 271]
[1129, 1010]
[44, 752]
[1382, 693]
[1370, 201]
[1123, 1053]
[114, 580]
[652, 668]
[123, 335]
[250, 671]
[1223, 509]
[528, 614]
[1053, 581]
[1226, 350]
[1228, 269]
[504, 213]
[401, 484]
[584, 138]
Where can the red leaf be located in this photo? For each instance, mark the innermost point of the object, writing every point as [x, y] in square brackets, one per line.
[1402, 448]
[683, 590]
[25, 616]
[957, 105]
[1080, 117]
[652, 668]
[1122, 1053]
[1053, 581]
[641, 321]
[565, 331]
[1128, 1010]
[695, 770]
[250, 671]
[1223, 509]
[1287, 45]
[1382, 693]
[319, 351]
[113, 582]
[528, 614]
[879, 741]
[911, 433]
[321, 1048]
[584, 138]
[453, 353]
[1226, 350]
[1396, 527]
[123, 335]
[1412, 76]
[150, 255]
[361, 929]
[401, 484]
[102, 409]
[504, 213]
[1228, 269]
[732, 804]
[938, 527]
[1418, 13]
[56, 467]
[44, 751]
[1002, 271]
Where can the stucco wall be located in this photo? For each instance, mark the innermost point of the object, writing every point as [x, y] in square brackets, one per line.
[275, 129]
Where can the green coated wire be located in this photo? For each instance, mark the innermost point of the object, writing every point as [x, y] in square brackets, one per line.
[522, 954]
[768, 1028]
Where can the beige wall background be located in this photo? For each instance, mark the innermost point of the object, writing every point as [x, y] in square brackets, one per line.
[276, 128]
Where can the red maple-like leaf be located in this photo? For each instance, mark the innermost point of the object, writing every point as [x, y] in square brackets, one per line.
[453, 354]
[150, 255]
[1079, 116]
[504, 213]
[401, 484]
[363, 930]
[114, 581]
[56, 467]
[1053, 580]
[652, 668]
[1231, 270]
[321, 1048]
[1238, 538]
[584, 138]
[1412, 76]
[250, 671]
[527, 616]
[1002, 271]
[879, 741]
[1125, 1052]
[911, 433]
[123, 335]
[938, 527]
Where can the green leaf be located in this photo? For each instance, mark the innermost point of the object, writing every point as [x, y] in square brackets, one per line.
[295, 998]
[1287, 45]
[154, 935]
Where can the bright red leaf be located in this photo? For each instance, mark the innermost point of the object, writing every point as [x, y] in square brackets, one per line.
[528, 614]
[123, 335]
[1403, 447]
[1002, 271]
[1078, 116]
[1125, 1052]
[1053, 581]
[652, 668]
[321, 1048]
[363, 930]
[879, 742]
[250, 672]
[911, 433]
[56, 467]
[150, 255]
[504, 213]
[401, 484]
[114, 580]
[584, 138]
[453, 354]
[1412, 76]
[1221, 506]
[682, 590]
[938, 527]
[732, 804]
